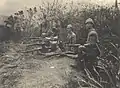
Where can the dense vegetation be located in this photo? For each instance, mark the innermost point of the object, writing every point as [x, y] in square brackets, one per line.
[34, 21]
[40, 19]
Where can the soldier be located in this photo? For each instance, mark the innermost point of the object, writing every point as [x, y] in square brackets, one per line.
[45, 43]
[92, 34]
[92, 38]
[55, 32]
[90, 50]
[57, 38]
[53, 39]
[71, 37]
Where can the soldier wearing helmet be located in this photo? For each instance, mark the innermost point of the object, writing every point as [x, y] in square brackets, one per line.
[90, 49]
[53, 38]
[55, 31]
[56, 43]
[92, 34]
[71, 36]
[92, 38]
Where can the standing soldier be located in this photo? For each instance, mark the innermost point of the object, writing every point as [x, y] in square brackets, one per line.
[89, 52]
[92, 49]
[71, 37]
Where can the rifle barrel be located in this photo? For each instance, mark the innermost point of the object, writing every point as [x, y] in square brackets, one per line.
[74, 45]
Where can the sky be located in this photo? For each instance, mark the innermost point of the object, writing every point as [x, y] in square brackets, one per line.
[11, 6]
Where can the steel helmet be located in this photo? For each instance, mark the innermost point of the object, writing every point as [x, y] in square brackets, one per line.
[69, 26]
[89, 20]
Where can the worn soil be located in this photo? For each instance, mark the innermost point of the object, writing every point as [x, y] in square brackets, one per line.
[20, 70]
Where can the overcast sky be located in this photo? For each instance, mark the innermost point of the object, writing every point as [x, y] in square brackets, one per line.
[11, 6]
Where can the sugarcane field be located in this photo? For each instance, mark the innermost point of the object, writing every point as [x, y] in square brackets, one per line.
[60, 44]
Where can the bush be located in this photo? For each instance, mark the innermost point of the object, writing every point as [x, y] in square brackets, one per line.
[57, 14]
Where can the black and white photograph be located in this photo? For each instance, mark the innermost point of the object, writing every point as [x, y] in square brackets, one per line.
[59, 43]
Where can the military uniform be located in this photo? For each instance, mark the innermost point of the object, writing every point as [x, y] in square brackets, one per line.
[54, 42]
[90, 50]
[53, 39]
[71, 37]
[92, 33]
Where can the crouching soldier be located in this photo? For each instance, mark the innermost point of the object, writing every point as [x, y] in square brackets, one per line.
[52, 38]
[88, 52]
[45, 43]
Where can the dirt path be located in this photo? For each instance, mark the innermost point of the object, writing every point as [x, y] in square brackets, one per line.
[48, 73]
[19, 70]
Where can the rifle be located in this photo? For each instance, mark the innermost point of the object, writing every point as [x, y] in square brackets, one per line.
[33, 38]
[73, 45]
[36, 44]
